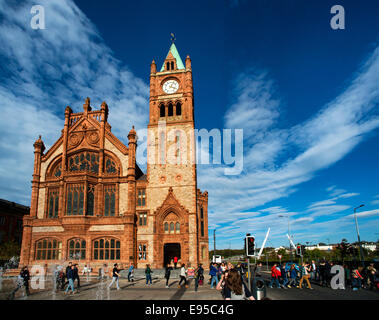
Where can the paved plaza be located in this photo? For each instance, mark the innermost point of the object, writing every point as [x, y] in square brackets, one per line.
[95, 289]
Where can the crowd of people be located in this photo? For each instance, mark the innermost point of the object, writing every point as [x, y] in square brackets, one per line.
[228, 278]
[291, 275]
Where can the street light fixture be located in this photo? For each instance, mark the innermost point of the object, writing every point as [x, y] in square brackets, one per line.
[289, 235]
[359, 238]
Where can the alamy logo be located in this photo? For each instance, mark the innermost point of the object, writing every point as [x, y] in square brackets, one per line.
[338, 20]
[38, 20]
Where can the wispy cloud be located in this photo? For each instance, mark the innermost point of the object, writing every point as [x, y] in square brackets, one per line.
[278, 160]
[43, 71]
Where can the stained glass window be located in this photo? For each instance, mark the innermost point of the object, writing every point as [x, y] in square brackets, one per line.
[53, 203]
[90, 200]
[86, 161]
[110, 200]
[75, 200]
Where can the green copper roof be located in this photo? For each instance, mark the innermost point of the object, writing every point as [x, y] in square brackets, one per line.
[176, 55]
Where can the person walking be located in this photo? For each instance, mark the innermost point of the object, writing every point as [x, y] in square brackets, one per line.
[322, 272]
[183, 276]
[76, 276]
[275, 274]
[22, 280]
[115, 275]
[371, 272]
[313, 270]
[293, 276]
[284, 276]
[148, 273]
[213, 273]
[305, 276]
[200, 271]
[130, 272]
[357, 278]
[235, 288]
[68, 268]
[198, 274]
[167, 274]
[190, 274]
[70, 274]
[175, 262]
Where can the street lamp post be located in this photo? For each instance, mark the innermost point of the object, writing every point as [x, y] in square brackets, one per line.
[289, 234]
[359, 238]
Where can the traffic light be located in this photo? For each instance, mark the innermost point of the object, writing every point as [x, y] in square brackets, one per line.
[250, 247]
[298, 250]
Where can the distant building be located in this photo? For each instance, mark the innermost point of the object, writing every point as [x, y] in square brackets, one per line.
[322, 248]
[11, 215]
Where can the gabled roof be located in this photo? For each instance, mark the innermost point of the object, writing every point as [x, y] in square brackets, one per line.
[175, 53]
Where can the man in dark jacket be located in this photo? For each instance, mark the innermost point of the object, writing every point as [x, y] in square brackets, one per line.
[76, 276]
[68, 268]
[26, 277]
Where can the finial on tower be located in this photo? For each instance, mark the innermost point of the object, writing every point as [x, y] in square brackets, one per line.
[172, 37]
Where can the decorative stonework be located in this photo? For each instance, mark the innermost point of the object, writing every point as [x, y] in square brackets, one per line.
[47, 229]
[109, 227]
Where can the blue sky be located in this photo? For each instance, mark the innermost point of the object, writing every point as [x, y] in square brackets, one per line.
[305, 95]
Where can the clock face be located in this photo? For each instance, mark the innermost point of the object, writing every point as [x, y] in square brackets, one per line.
[170, 86]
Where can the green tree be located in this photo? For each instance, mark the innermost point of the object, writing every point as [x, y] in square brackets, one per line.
[9, 249]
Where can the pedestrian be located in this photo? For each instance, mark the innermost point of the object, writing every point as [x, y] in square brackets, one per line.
[357, 278]
[213, 273]
[275, 274]
[371, 275]
[115, 275]
[313, 270]
[221, 284]
[258, 270]
[167, 274]
[322, 272]
[183, 276]
[198, 273]
[131, 272]
[76, 276]
[347, 274]
[293, 275]
[190, 274]
[328, 273]
[175, 262]
[70, 274]
[148, 273]
[235, 288]
[284, 277]
[22, 280]
[68, 268]
[305, 268]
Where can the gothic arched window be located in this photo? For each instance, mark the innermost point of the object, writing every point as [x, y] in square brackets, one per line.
[171, 227]
[77, 249]
[75, 200]
[162, 111]
[172, 65]
[109, 200]
[170, 111]
[53, 203]
[166, 227]
[178, 109]
[168, 66]
[177, 227]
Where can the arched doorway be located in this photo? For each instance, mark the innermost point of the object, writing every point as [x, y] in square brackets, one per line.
[170, 250]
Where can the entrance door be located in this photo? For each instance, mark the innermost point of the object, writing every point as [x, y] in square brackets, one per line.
[170, 250]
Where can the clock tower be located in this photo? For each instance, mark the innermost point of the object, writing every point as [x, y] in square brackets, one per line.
[178, 210]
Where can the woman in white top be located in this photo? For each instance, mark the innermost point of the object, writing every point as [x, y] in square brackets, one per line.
[183, 276]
